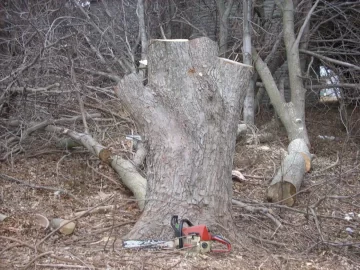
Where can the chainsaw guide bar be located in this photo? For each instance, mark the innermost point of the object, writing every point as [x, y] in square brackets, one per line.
[149, 244]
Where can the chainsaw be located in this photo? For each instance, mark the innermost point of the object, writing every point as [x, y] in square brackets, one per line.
[195, 238]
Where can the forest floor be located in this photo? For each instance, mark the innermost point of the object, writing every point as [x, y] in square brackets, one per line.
[322, 230]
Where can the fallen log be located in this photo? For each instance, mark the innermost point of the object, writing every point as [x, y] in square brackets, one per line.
[287, 181]
[299, 146]
[34, 126]
[253, 136]
[125, 169]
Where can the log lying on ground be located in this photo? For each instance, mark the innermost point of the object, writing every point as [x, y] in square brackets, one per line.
[253, 136]
[299, 146]
[288, 179]
[126, 170]
[241, 130]
[15, 141]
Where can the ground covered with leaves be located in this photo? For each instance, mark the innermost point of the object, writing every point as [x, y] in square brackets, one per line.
[322, 230]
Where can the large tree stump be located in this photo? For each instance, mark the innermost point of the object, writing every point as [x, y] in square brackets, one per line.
[187, 114]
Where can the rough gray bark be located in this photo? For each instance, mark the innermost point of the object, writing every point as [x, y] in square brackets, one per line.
[224, 12]
[188, 114]
[294, 67]
[140, 11]
[249, 108]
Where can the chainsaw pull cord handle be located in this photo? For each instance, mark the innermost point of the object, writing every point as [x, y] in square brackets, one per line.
[223, 241]
[178, 226]
[175, 225]
[181, 225]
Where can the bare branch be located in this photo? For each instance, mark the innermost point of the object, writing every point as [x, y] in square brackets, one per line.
[110, 76]
[81, 103]
[307, 19]
[331, 60]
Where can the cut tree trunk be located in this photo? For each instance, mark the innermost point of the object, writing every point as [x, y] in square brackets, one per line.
[187, 114]
[287, 182]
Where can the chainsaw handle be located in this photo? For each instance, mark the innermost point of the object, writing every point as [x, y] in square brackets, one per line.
[223, 241]
[175, 225]
[178, 228]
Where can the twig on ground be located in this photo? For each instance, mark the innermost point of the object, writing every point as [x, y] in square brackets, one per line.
[78, 96]
[9, 178]
[291, 209]
[36, 249]
[256, 177]
[108, 112]
[332, 165]
[303, 212]
[49, 152]
[111, 230]
[10, 247]
[343, 197]
[103, 175]
[66, 266]
[35, 90]
[262, 210]
[100, 209]
[58, 164]
[114, 226]
[266, 241]
[317, 224]
[37, 257]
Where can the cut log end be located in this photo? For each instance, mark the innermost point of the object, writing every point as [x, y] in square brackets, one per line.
[228, 61]
[288, 179]
[105, 155]
[307, 160]
[283, 192]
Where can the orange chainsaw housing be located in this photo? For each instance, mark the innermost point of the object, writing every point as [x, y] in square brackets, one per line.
[199, 230]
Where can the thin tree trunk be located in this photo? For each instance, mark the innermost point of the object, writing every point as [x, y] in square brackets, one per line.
[187, 114]
[140, 11]
[224, 11]
[249, 108]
